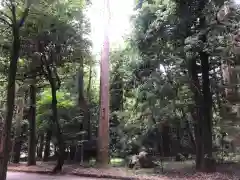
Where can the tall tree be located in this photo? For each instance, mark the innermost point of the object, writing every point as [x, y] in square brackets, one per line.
[32, 125]
[187, 32]
[15, 23]
[52, 50]
[20, 103]
[83, 102]
[103, 128]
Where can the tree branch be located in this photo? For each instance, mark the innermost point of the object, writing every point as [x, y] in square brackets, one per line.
[7, 16]
[2, 32]
[9, 5]
[45, 74]
[4, 21]
[13, 10]
[58, 79]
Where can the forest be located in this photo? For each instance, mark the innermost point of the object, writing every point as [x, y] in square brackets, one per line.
[173, 86]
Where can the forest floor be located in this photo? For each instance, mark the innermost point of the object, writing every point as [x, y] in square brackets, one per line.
[172, 170]
[31, 176]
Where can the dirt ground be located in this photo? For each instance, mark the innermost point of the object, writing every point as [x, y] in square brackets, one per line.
[27, 176]
[171, 170]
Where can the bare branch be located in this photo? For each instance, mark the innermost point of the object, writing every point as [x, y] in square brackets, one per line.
[5, 29]
[13, 10]
[7, 16]
[9, 5]
[4, 21]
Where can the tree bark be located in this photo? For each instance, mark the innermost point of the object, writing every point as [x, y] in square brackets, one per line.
[40, 148]
[59, 137]
[18, 141]
[178, 144]
[50, 73]
[103, 157]
[89, 84]
[17, 150]
[47, 145]
[72, 152]
[166, 139]
[55, 150]
[32, 127]
[6, 134]
[88, 114]
[83, 104]
[191, 136]
[208, 163]
[188, 130]
[196, 111]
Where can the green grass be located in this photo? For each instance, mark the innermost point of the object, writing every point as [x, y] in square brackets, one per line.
[115, 162]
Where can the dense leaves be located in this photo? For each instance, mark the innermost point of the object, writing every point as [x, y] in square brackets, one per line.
[169, 93]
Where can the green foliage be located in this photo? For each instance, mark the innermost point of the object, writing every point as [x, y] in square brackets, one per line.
[44, 107]
[150, 82]
[153, 68]
[70, 117]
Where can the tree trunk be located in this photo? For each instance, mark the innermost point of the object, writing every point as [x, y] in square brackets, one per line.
[32, 127]
[40, 148]
[191, 136]
[83, 104]
[6, 134]
[207, 113]
[178, 147]
[103, 128]
[89, 100]
[55, 150]
[18, 141]
[188, 129]
[196, 111]
[89, 84]
[59, 137]
[72, 152]
[166, 139]
[47, 145]
[17, 150]
[208, 163]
